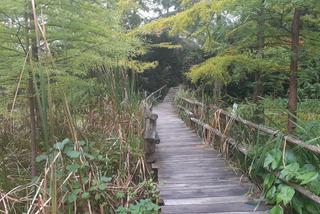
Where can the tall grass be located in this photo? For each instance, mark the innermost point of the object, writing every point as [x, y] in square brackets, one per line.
[91, 156]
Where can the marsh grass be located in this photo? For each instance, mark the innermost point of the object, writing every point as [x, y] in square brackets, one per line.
[98, 169]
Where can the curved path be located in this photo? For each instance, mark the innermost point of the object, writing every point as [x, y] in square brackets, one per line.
[193, 178]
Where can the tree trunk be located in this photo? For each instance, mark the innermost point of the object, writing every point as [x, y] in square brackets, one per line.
[217, 90]
[30, 26]
[293, 99]
[258, 89]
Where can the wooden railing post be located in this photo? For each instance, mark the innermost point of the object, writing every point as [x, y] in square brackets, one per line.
[151, 137]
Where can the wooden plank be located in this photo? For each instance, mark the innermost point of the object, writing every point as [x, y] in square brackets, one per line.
[210, 208]
[193, 177]
[206, 200]
[225, 181]
[204, 192]
[253, 212]
[204, 186]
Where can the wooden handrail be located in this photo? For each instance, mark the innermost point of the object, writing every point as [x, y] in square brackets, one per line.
[147, 99]
[288, 138]
[244, 150]
[151, 137]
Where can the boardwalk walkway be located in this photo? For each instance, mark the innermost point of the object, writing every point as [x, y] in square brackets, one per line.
[193, 178]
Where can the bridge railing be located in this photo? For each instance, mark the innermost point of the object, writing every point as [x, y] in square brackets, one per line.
[226, 132]
[150, 134]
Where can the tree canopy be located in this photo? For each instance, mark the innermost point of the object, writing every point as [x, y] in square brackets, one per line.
[74, 74]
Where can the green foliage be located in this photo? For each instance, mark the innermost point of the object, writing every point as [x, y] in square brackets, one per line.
[75, 37]
[199, 12]
[287, 165]
[75, 163]
[273, 159]
[227, 68]
[274, 114]
[168, 54]
[276, 210]
[143, 207]
[82, 70]
[227, 31]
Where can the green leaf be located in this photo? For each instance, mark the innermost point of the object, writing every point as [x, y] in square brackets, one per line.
[120, 195]
[290, 157]
[298, 205]
[91, 157]
[273, 158]
[271, 193]
[85, 195]
[76, 185]
[122, 210]
[60, 145]
[315, 186]
[72, 197]
[76, 191]
[97, 196]
[285, 195]
[73, 154]
[276, 210]
[102, 186]
[268, 160]
[277, 158]
[307, 177]
[73, 167]
[290, 171]
[85, 179]
[41, 158]
[105, 179]
[82, 143]
[308, 167]
[268, 181]
[93, 189]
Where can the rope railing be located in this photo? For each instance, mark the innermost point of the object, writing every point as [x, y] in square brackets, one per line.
[192, 108]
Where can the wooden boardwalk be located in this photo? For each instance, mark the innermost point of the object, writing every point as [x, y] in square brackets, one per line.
[193, 178]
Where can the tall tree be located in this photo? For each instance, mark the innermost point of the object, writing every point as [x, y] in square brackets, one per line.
[294, 67]
[258, 89]
[63, 42]
[32, 55]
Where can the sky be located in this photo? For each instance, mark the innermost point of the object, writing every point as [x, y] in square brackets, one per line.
[152, 14]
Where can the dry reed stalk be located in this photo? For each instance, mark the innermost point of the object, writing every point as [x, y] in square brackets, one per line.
[19, 83]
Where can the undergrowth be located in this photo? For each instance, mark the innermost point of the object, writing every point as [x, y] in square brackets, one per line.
[99, 168]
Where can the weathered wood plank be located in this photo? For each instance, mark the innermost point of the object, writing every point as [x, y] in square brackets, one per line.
[202, 192]
[206, 200]
[210, 208]
[254, 212]
[194, 178]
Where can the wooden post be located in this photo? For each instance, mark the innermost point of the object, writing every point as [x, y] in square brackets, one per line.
[151, 137]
